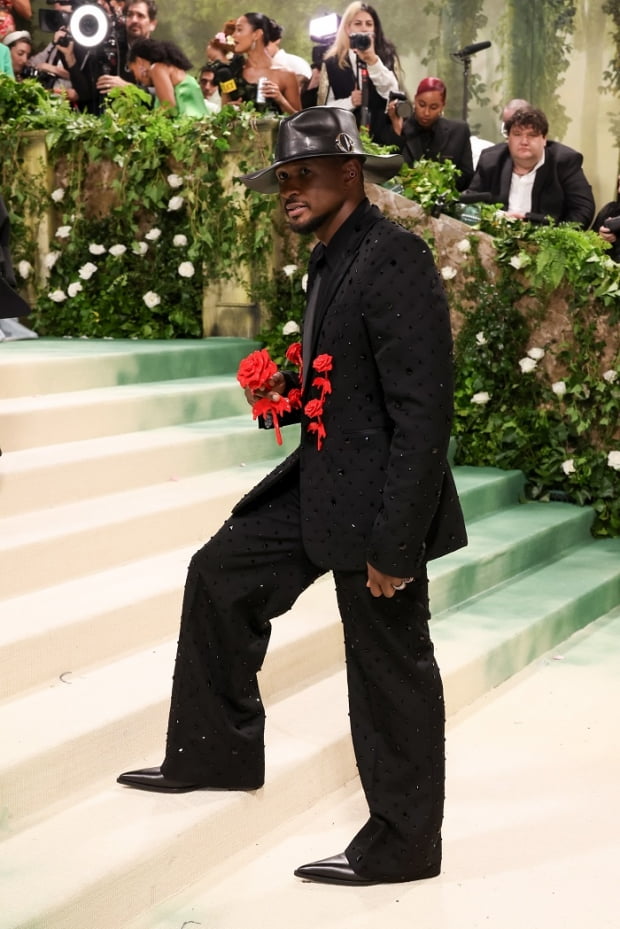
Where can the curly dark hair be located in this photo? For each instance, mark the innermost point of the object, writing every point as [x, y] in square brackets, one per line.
[528, 117]
[161, 52]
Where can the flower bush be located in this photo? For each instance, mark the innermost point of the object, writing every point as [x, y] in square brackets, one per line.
[537, 347]
[135, 197]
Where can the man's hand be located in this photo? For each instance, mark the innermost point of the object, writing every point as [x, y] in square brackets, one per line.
[277, 386]
[384, 585]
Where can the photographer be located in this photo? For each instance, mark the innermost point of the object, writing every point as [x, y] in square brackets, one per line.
[19, 45]
[358, 70]
[426, 133]
[98, 69]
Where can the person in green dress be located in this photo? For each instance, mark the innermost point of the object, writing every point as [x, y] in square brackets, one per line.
[164, 67]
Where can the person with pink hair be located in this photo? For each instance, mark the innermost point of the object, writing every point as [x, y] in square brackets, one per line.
[428, 134]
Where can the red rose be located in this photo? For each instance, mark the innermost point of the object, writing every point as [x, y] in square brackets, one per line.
[293, 354]
[313, 408]
[322, 363]
[256, 369]
[294, 398]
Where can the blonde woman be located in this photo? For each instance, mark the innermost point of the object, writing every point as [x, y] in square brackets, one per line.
[360, 69]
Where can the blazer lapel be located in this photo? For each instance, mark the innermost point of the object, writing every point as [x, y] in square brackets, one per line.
[328, 291]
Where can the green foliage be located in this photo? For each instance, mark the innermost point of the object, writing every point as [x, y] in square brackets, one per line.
[137, 192]
[429, 183]
[549, 410]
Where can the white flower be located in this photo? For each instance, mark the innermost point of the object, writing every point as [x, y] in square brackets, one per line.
[24, 268]
[74, 288]
[527, 365]
[610, 376]
[58, 194]
[304, 283]
[536, 353]
[151, 299]
[63, 232]
[50, 260]
[153, 234]
[559, 388]
[481, 398]
[118, 250]
[447, 272]
[179, 240]
[174, 180]
[87, 271]
[186, 269]
[290, 328]
[139, 248]
[57, 296]
[517, 261]
[568, 466]
[481, 338]
[96, 249]
[175, 203]
[289, 270]
[613, 460]
[464, 246]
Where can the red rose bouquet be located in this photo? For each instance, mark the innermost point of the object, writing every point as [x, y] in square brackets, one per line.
[255, 373]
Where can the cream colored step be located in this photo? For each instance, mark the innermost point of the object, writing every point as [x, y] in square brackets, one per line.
[97, 720]
[101, 615]
[50, 419]
[46, 547]
[59, 365]
[94, 863]
[531, 834]
[480, 643]
[49, 475]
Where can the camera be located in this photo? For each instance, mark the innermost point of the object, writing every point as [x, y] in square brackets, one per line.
[45, 78]
[360, 40]
[613, 224]
[403, 107]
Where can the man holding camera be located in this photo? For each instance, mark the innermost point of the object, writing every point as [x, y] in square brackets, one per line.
[96, 70]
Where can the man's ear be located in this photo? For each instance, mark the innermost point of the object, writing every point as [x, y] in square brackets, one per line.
[352, 169]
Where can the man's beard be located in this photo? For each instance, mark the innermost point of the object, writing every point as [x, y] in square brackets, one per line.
[310, 226]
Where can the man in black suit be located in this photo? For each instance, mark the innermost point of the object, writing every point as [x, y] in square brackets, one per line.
[533, 178]
[368, 495]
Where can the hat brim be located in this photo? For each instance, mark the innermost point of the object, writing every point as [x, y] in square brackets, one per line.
[377, 169]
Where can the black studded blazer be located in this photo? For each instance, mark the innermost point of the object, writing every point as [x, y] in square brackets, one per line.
[380, 488]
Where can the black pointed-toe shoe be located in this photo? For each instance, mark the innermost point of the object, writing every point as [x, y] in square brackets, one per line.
[334, 870]
[153, 779]
[338, 870]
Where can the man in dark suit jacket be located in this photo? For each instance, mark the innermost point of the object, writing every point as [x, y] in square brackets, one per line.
[532, 178]
[368, 495]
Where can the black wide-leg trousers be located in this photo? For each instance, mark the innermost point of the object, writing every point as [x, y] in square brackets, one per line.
[253, 570]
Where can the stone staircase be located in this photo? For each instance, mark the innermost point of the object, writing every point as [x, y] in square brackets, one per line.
[120, 458]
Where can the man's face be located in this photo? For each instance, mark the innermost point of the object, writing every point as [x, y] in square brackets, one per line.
[526, 146]
[207, 84]
[137, 22]
[315, 194]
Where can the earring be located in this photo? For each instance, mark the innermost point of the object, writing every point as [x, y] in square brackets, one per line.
[253, 45]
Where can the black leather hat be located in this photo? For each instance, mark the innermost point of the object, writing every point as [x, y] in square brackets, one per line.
[321, 132]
